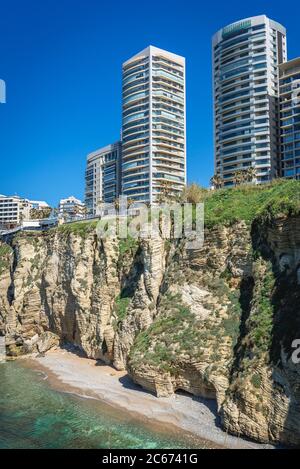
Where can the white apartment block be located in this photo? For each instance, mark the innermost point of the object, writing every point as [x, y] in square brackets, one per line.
[153, 124]
[102, 177]
[71, 208]
[14, 210]
[38, 204]
[246, 55]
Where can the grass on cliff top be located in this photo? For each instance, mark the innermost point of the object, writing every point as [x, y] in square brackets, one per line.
[224, 207]
[247, 202]
[82, 228]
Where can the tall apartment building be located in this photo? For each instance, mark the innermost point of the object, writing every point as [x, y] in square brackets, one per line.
[289, 81]
[153, 124]
[246, 55]
[102, 177]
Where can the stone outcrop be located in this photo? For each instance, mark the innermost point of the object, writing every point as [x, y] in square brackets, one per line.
[217, 322]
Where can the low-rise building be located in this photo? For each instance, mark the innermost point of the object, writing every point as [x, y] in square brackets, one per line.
[13, 209]
[39, 224]
[38, 204]
[39, 209]
[71, 209]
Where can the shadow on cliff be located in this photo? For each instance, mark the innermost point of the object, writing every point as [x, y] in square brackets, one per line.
[128, 383]
[286, 329]
[67, 328]
[286, 325]
[285, 301]
[129, 280]
[45, 304]
[211, 404]
[246, 295]
[11, 289]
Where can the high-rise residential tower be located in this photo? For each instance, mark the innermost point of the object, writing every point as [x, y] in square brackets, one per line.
[102, 176]
[246, 55]
[289, 81]
[153, 124]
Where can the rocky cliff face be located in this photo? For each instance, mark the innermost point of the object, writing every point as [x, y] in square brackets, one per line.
[217, 322]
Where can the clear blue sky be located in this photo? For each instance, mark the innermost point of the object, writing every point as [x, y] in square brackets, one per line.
[61, 60]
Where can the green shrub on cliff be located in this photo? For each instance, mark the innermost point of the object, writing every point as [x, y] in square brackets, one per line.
[120, 307]
[174, 334]
[260, 324]
[5, 253]
[127, 245]
[161, 343]
[256, 381]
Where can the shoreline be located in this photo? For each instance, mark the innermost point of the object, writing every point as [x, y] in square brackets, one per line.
[175, 415]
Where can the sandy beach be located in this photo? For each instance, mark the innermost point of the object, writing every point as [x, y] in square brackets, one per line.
[88, 378]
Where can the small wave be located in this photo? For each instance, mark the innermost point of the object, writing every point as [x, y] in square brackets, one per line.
[42, 374]
[82, 396]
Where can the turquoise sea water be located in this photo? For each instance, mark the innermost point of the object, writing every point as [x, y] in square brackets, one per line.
[33, 415]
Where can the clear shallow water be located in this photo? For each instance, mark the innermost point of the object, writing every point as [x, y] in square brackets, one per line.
[33, 415]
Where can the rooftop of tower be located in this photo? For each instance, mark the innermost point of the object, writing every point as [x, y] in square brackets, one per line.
[253, 20]
[152, 50]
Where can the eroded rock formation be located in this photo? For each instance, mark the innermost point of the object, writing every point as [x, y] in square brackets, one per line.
[217, 322]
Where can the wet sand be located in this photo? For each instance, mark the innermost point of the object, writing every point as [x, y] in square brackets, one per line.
[88, 378]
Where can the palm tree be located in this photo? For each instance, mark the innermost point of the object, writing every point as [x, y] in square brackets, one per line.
[216, 181]
[130, 202]
[193, 193]
[117, 203]
[250, 173]
[166, 193]
[238, 177]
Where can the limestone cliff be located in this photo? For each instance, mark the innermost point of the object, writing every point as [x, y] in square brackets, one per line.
[217, 322]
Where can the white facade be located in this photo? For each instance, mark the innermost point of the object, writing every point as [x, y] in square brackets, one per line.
[71, 208]
[13, 209]
[153, 124]
[37, 224]
[38, 204]
[246, 55]
[102, 177]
